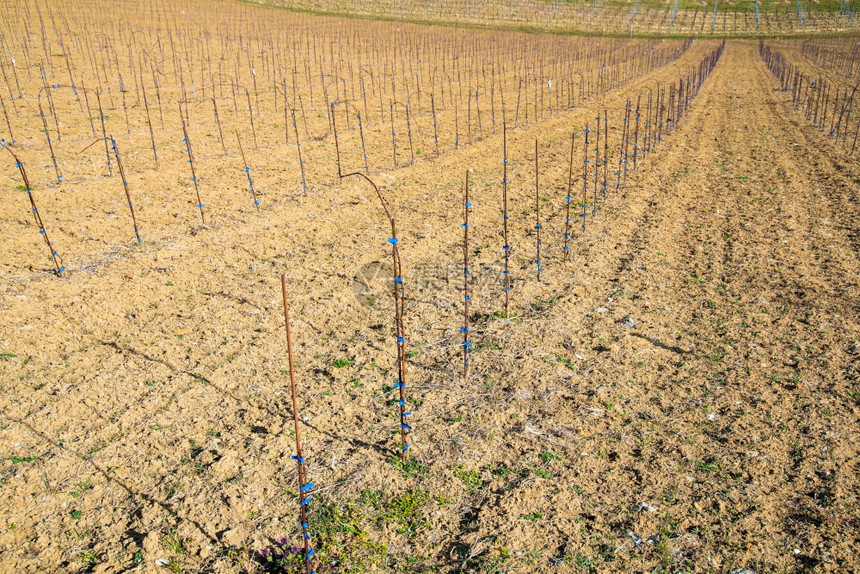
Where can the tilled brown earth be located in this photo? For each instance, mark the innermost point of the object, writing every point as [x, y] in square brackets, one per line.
[680, 396]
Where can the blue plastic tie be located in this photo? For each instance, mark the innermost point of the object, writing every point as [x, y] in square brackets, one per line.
[310, 553]
[406, 447]
[469, 205]
[405, 426]
[398, 279]
[401, 340]
[306, 487]
[307, 501]
[298, 458]
[61, 269]
[392, 240]
[401, 403]
[399, 384]
[464, 329]
[467, 344]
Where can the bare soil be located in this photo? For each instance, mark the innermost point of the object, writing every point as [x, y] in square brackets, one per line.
[680, 396]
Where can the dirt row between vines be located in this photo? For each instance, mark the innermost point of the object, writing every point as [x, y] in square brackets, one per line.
[680, 394]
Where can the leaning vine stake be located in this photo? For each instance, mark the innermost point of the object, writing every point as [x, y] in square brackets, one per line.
[187, 141]
[125, 186]
[247, 170]
[57, 260]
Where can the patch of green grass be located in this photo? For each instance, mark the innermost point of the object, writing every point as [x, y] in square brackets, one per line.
[341, 533]
[503, 315]
[341, 363]
[443, 500]
[89, 558]
[533, 516]
[490, 346]
[538, 305]
[173, 543]
[470, 478]
[21, 459]
[405, 509]
[566, 362]
[547, 457]
[409, 468]
[708, 466]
